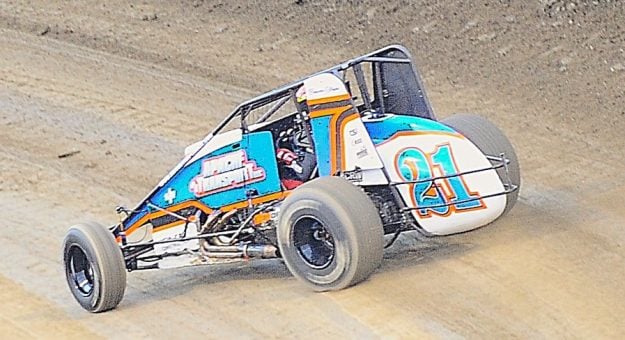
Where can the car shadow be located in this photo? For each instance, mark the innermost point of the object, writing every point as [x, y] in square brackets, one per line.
[413, 249]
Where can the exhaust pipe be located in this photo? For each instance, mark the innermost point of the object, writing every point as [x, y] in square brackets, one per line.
[263, 251]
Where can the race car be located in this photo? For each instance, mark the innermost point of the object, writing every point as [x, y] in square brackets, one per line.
[324, 173]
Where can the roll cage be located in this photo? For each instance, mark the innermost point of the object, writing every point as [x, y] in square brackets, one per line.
[394, 86]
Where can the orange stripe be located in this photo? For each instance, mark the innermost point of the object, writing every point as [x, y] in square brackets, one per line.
[335, 135]
[201, 206]
[332, 99]
[257, 200]
[333, 138]
[343, 123]
[160, 228]
[329, 111]
[160, 213]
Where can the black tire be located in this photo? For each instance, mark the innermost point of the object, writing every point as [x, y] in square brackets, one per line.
[330, 234]
[94, 267]
[491, 141]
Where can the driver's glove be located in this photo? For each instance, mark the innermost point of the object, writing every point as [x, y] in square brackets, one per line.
[289, 159]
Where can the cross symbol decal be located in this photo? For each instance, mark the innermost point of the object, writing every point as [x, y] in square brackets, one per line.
[170, 196]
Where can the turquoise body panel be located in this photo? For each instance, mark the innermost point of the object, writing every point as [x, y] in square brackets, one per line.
[384, 128]
[256, 169]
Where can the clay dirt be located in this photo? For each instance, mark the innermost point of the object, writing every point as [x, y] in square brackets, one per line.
[122, 87]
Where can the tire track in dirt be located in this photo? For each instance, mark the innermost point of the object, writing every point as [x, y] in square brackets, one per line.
[36, 319]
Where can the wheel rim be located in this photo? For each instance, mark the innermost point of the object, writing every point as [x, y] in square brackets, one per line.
[313, 242]
[80, 271]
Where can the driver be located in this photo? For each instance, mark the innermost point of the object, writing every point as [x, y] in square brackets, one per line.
[297, 162]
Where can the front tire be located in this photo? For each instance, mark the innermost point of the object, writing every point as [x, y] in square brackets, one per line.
[94, 267]
[330, 234]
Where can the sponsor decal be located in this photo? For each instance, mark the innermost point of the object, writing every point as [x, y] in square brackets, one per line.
[357, 142]
[353, 175]
[225, 172]
[326, 90]
[170, 196]
[438, 190]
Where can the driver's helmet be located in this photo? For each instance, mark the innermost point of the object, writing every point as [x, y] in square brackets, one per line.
[301, 99]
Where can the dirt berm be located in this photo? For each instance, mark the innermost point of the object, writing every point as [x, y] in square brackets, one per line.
[129, 84]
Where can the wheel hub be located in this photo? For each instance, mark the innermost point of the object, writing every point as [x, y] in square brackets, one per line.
[313, 242]
[80, 271]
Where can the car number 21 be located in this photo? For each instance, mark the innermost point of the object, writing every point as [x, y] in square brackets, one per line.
[443, 196]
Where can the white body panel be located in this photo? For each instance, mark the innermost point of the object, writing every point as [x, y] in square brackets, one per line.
[359, 151]
[324, 85]
[467, 157]
[214, 143]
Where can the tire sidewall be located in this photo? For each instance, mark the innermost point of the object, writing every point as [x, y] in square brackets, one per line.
[77, 238]
[332, 276]
[490, 140]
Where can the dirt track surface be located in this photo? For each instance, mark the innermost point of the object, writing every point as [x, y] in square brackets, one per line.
[130, 86]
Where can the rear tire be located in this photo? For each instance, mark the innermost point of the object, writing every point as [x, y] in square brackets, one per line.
[94, 267]
[330, 234]
[491, 141]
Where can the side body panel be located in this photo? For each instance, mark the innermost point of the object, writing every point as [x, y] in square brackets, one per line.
[220, 175]
[429, 156]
